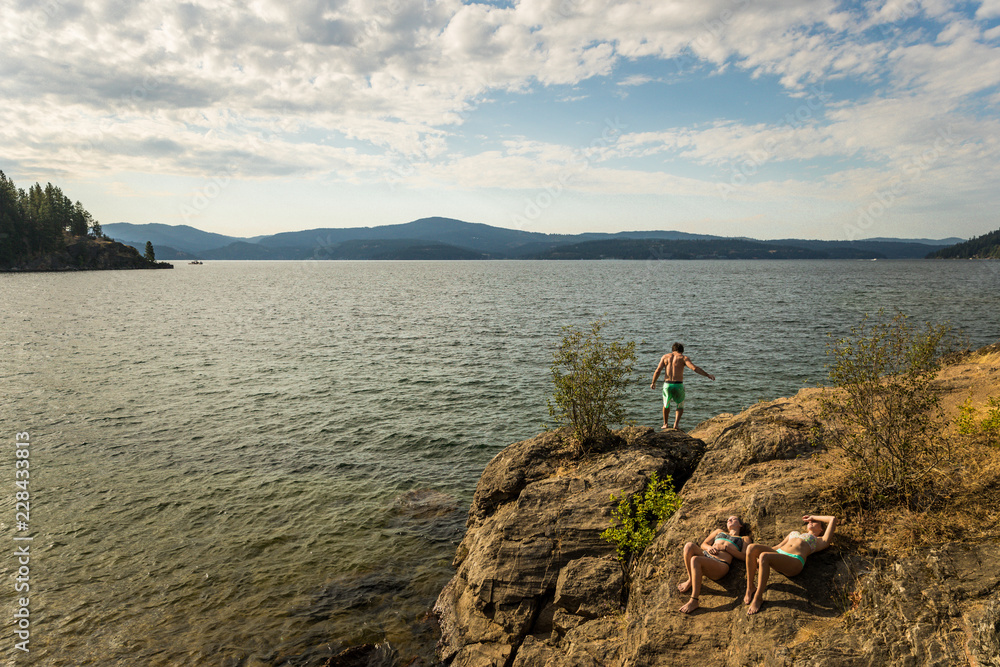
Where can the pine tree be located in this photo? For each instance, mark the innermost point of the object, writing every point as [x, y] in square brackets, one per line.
[150, 255]
[79, 220]
[11, 221]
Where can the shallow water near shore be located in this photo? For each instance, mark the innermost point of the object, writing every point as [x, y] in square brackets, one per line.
[260, 463]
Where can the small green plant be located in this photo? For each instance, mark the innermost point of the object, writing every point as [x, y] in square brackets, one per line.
[886, 415]
[991, 422]
[988, 425]
[637, 517]
[966, 420]
[591, 375]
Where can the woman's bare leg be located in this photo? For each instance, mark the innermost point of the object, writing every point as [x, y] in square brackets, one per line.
[703, 565]
[690, 551]
[753, 553]
[786, 565]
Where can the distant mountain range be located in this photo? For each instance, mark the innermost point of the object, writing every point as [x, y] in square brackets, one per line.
[446, 238]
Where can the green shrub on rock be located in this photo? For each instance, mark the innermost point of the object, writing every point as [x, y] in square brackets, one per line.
[991, 422]
[966, 420]
[590, 375]
[636, 518]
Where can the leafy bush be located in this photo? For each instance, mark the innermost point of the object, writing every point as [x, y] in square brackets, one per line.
[590, 375]
[886, 414]
[639, 516]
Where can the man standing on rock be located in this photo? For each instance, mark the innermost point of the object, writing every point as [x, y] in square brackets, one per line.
[673, 386]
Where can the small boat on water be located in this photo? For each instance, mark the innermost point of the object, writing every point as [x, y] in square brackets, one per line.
[196, 261]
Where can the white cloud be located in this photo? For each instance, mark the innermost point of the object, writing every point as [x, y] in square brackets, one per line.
[988, 9]
[351, 89]
[636, 80]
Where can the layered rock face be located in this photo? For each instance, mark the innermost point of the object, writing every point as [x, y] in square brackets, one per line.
[536, 587]
[532, 562]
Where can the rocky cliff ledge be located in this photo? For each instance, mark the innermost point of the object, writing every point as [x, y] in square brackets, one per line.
[532, 562]
[88, 254]
[536, 586]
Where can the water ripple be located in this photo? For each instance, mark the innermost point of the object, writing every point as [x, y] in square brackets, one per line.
[260, 462]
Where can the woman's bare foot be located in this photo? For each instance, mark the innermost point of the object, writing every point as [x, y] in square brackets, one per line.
[754, 607]
[684, 586]
[691, 605]
[748, 598]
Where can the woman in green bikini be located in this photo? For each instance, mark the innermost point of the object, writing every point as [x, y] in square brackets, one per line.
[788, 558]
[712, 558]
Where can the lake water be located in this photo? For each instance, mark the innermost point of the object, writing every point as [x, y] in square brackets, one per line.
[253, 463]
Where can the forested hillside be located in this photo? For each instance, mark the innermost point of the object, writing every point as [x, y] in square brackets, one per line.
[41, 229]
[38, 221]
[665, 249]
[986, 246]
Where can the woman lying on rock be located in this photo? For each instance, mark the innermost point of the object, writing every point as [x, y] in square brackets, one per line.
[712, 558]
[788, 558]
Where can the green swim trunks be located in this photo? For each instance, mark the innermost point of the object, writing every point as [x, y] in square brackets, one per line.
[673, 391]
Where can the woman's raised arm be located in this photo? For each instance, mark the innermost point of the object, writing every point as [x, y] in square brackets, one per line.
[831, 523]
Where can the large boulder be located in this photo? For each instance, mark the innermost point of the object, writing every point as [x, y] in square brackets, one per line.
[533, 548]
[761, 465]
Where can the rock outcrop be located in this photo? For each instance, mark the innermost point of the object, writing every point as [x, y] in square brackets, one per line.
[763, 465]
[88, 254]
[532, 562]
[536, 587]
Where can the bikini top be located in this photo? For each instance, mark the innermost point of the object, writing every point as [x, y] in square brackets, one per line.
[807, 537]
[735, 541]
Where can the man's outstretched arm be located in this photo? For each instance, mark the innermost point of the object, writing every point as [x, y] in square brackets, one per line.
[696, 369]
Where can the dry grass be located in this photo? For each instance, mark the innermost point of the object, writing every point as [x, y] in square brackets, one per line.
[965, 489]
[967, 507]
[969, 511]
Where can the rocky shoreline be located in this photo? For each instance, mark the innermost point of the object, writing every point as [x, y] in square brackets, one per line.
[535, 586]
[88, 254]
[532, 563]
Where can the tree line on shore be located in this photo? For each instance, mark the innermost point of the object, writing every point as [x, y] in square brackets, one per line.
[39, 220]
[986, 246]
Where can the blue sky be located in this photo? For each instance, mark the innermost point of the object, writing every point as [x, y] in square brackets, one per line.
[762, 118]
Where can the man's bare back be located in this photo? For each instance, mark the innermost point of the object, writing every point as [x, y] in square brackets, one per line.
[673, 366]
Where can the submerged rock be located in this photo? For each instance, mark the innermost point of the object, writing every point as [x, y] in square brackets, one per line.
[365, 655]
[425, 504]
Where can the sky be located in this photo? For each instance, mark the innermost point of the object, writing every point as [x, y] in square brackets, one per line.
[760, 118]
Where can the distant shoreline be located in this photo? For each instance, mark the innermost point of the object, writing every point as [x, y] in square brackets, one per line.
[84, 253]
[564, 260]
